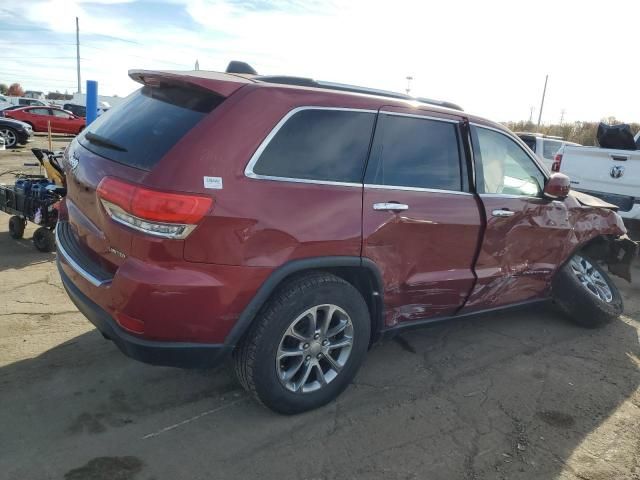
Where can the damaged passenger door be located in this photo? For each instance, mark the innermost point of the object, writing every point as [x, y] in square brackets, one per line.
[421, 225]
[525, 232]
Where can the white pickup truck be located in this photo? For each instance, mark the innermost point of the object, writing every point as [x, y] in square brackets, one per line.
[610, 174]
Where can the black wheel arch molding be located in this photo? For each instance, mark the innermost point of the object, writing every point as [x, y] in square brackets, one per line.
[342, 266]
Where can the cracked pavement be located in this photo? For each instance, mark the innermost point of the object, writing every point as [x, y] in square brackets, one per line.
[520, 395]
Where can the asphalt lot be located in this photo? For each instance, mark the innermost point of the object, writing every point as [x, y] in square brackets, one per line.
[522, 395]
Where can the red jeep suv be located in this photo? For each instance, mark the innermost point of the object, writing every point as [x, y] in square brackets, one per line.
[290, 223]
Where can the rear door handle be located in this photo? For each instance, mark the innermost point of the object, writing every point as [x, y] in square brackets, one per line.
[503, 213]
[390, 206]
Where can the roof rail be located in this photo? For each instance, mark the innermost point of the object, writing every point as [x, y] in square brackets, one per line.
[310, 82]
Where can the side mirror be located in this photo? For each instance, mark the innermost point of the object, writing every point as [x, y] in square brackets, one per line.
[558, 187]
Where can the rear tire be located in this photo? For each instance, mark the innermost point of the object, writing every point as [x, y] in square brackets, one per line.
[586, 293]
[44, 240]
[16, 227]
[306, 344]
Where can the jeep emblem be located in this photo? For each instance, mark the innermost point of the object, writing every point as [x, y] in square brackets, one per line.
[616, 172]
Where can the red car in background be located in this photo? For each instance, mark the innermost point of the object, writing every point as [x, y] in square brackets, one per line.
[61, 120]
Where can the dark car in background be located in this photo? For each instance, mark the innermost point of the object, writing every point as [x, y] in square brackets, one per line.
[77, 110]
[15, 132]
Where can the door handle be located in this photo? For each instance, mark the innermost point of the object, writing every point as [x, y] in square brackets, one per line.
[390, 206]
[503, 213]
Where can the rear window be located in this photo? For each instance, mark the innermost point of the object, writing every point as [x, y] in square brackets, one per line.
[139, 131]
[316, 144]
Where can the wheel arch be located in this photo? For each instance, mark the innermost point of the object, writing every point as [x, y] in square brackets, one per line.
[362, 273]
[617, 251]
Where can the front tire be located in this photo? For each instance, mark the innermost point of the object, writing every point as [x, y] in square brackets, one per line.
[306, 344]
[586, 293]
[10, 136]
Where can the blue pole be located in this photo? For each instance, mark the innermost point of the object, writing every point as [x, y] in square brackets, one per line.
[92, 101]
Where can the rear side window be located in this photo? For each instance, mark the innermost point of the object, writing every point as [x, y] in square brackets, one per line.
[38, 111]
[139, 131]
[316, 144]
[530, 141]
[415, 152]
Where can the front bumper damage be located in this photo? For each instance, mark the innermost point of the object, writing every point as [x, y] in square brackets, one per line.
[622, 252]
[617, 252]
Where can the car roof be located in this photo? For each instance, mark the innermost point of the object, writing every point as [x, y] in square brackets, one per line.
[225, 84]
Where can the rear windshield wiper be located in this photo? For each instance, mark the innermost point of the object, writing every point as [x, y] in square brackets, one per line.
[105, 142]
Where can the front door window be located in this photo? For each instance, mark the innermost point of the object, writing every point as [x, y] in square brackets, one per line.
[503, 167]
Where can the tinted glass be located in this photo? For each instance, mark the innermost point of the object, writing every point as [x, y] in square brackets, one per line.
[531, 142]
[148, 123]
[503, 167]
[60, 113]
[415, 152]
[319, 145]
[550, 148]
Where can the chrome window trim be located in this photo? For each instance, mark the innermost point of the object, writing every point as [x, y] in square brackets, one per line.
[424, 117]
[508, 195]
[96, 282]
[416, 189]
[248, 171]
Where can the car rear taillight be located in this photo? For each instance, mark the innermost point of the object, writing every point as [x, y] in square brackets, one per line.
[557, 161]
[162, 214]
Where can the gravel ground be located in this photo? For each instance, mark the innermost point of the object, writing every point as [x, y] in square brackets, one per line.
[522, 395]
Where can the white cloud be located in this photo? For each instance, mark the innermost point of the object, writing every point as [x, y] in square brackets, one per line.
[491, 57]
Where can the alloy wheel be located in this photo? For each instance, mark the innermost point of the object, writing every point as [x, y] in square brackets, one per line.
[10, 137]
[314, 349]
[591, 279]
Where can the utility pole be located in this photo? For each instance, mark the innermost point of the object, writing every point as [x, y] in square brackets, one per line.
[409, 78]
[197, 66]
[562, 112]
[544, 92]
[78, 54]
[531, 110]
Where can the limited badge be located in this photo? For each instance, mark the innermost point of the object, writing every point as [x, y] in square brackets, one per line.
[213, 182]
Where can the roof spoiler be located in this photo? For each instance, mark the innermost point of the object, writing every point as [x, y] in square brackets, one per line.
[223, 84]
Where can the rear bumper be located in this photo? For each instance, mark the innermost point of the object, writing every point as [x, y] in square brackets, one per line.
[173, 354]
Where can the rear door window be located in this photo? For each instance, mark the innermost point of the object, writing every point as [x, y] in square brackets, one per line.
[39, 111]
[139, 131]
[320, 145]
[415, 152]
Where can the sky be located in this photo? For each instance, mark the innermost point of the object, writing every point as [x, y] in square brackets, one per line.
[488, 56]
